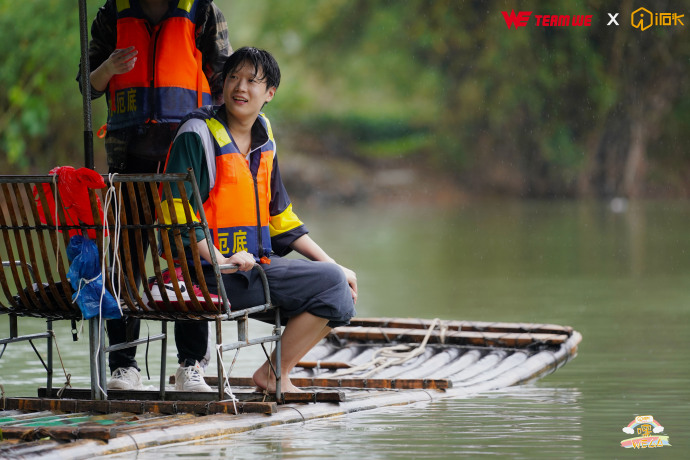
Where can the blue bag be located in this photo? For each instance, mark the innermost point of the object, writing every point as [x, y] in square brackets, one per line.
[87, 280]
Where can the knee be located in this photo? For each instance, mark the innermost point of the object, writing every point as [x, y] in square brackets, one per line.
[334, 275]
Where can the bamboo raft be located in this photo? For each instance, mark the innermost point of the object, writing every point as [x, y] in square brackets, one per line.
[372, 363]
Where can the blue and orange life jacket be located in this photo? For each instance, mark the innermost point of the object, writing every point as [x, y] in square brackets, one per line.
[237, 209]
[245, 202]
[167, 81]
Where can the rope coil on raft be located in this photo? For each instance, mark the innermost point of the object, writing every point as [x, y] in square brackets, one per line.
[394, 355]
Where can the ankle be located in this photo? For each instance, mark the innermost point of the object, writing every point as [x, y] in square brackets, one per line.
[189, 362]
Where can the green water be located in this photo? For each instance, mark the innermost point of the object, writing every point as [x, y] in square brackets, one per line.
[619, 279]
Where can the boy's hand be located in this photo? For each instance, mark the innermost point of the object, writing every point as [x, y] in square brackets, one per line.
[242, 259]
[352, 281]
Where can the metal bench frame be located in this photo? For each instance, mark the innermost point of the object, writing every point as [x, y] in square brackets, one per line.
[35, 257]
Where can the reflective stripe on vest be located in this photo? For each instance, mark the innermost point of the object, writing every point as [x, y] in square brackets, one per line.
[164, 84]
[231, 209]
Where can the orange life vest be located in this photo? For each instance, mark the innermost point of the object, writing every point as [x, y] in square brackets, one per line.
[167, 81]
[237, 209]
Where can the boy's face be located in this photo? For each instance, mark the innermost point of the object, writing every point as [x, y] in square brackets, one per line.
[245, 94]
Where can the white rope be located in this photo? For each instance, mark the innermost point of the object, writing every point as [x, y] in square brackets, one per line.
[83, 282]
[390, 356]
[110, 197]
[226, 383]
[443, 329]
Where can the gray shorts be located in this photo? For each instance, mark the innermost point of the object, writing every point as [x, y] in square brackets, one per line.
[296, 286]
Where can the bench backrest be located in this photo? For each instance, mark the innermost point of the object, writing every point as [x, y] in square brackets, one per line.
[36, 218]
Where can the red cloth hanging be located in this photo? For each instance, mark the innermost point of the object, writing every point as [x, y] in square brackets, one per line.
[73, 185]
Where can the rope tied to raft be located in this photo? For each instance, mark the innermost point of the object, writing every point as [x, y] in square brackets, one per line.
[227, 389]
[67, 384]
[270, 369]
[68, 377]
[304, 420]
[443, 328]
[393, 355]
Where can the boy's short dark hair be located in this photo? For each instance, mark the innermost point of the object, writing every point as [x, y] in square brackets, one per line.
[262, 61]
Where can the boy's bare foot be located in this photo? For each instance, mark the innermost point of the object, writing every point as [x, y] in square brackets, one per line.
[264, 379]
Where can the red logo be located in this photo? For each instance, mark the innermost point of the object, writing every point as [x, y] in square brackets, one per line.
[518, 20]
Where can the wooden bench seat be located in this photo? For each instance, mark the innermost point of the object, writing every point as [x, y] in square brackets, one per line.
[33, 281]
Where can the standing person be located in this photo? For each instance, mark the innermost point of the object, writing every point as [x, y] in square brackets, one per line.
[156, 60]
[233, 154]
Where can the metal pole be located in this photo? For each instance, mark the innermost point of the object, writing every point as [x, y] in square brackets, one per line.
[49, 383]
[96, 342]
[96, 335]
[219, 360]
[93, 360]
[86, 86]
[279, 380]
[164, 346]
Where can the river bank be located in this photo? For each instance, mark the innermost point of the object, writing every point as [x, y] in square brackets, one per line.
[320, 180]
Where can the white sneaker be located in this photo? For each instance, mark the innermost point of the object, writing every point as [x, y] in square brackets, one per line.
[125, 378]
[191, 378]
[170, 291]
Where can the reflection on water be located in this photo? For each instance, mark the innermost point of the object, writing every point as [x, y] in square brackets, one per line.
[620, 279]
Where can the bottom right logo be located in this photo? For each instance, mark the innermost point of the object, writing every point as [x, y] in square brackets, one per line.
[648, 431]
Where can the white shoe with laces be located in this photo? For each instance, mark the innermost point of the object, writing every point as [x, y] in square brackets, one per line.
[191, 378]
[125, 378]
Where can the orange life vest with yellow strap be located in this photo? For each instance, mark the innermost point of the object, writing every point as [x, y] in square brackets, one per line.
[237, 209]
[167, 81]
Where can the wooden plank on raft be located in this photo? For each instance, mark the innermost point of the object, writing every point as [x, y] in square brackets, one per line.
[48, 418]
[454, 325]
[359, 383]
[59, 433]
[480, 339]
[392, 384]
[305, 396]
[205, 407]
[314, 396]
[322, 365]
[14, 415]
[150, 422]
[39, 404]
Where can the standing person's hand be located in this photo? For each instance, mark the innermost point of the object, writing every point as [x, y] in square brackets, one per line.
[121, 60]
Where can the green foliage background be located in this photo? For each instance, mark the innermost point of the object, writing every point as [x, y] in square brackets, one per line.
[38, 108]
[537, 111]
